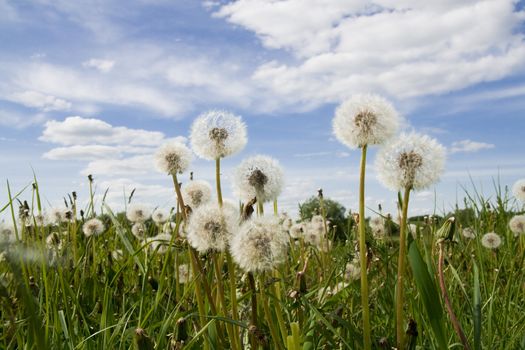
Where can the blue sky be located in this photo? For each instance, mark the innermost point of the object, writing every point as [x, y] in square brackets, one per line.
[93, 87]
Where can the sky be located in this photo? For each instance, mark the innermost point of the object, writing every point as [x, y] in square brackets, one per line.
[96, 86]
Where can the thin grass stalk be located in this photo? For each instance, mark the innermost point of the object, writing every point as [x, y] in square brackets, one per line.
[253, 316]
[401, 271]
[363, 254]
[268, 314]
[222, 300]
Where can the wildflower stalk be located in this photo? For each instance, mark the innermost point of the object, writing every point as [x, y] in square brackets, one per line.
[222, 300]
[268, 314]
[401, 270]
[253, 320]
[448, 304]
[218, 179]
[362, 253]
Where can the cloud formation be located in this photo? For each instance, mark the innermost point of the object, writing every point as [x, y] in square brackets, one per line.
[468, 146]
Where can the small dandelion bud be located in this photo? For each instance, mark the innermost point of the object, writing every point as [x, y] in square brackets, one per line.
[517, 225]
[412, 161]
[260, 177]
[491, 240]
[196, 193]
[518, 190]
[211, 227]
[93, 227]
[173, 158]
[138, 213]
[217, 134]
[365, 120]
[260, 244]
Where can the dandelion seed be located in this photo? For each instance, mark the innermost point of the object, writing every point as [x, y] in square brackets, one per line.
[160, 243]
[173, 158]
[468, 232]
[491, 240]
[159, 216]
[93, 227]
[412, 161]
[217, 134]
[260, 244]
[196, 193]
[258, 176]
[138, 213]
[353, 271]
[518, 189]
[377, 225]
[54, 241]
[185, 274]
[297, 231]
[517, 225]
[365, 120]
[7, 233]
[211, 227]
[56, 216]
[139, 230]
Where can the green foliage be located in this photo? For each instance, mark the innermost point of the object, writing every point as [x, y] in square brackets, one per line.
[334, 211]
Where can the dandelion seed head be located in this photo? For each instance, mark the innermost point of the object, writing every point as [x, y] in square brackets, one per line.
[297, 230]
[93, 227]
[217, 134]
[518, 190]
[517, 225]
[138, 212]
[173, 158]
[139, 230]
[258, 176]
[210, 227]
[159, 216]
[260, 244]
[159, 243]
[411, 161]
[185, 274]
[365, 120]
[491, 240]
[7, 233]
[54, 241]
[352, 271]
[117, 254]
[468, 232]
[196, 193]
[56, 216]
[377, 225]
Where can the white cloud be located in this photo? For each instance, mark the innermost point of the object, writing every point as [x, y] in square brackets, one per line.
[20, 121]
[468, 146]
[404, 49]
[100, 64]
[39, 100]
[136, 165]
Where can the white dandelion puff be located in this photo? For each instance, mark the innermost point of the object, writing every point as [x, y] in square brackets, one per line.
[297, 230]
[518, 190]
[491, 240]
[160, 243]
[93, 227]
[352, 271]
[117, 254]
[260, 244]
[159, 216]
[185, 274]
[412, 161]
[259, 176]
[56, 216]
[365, 120]
[173, 158]
[517, 225]
[377, 225]
[7, 233]
[210, 227]
[54, 241]
[138, 213]
[468, 232]
[139, 230]
[217, 134]
[196, 193]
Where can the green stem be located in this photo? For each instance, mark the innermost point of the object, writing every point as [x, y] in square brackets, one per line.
[401, 271]
[218, 180]
[233, 295]
[222, 300]
[253, 315]
[362, 253]
[180, 200]
[198, 293]
[268, 314]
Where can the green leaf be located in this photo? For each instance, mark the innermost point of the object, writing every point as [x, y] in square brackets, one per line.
[429, 294]
[477, 309]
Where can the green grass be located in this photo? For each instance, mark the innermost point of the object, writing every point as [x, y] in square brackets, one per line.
[95, 301]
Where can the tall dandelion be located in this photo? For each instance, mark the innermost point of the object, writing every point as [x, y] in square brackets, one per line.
[196, 193]
[359, 122]
[491, 240]
[93, 227]
[258, 176]
[518, 190]
[411, 162]
[138, 213]
[517, 225]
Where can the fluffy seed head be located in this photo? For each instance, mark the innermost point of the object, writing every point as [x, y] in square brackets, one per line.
[173, 158]
[139, 230]
[491, 240]
[468, 232]
[56, 216]
[365, 120]
[518, 189]
[185, 274]
[217, 134]
[211, 227]
[160, 243]
[260, 244]
[7, 233]
[54, 241]
[138, 213]
[352, 271]
[377, 225]
[196, 193]
[160, 216]
[258, 176]
[93, 227]
[412, 161]
[517, 225]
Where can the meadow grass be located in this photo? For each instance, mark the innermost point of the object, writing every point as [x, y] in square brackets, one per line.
[113, 291]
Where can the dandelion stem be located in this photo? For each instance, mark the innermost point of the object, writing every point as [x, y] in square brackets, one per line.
[253, 320]
[198, 292]
[268, 314]
[222, 300]
[218, 180]
[401, 270]
[362, 253]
